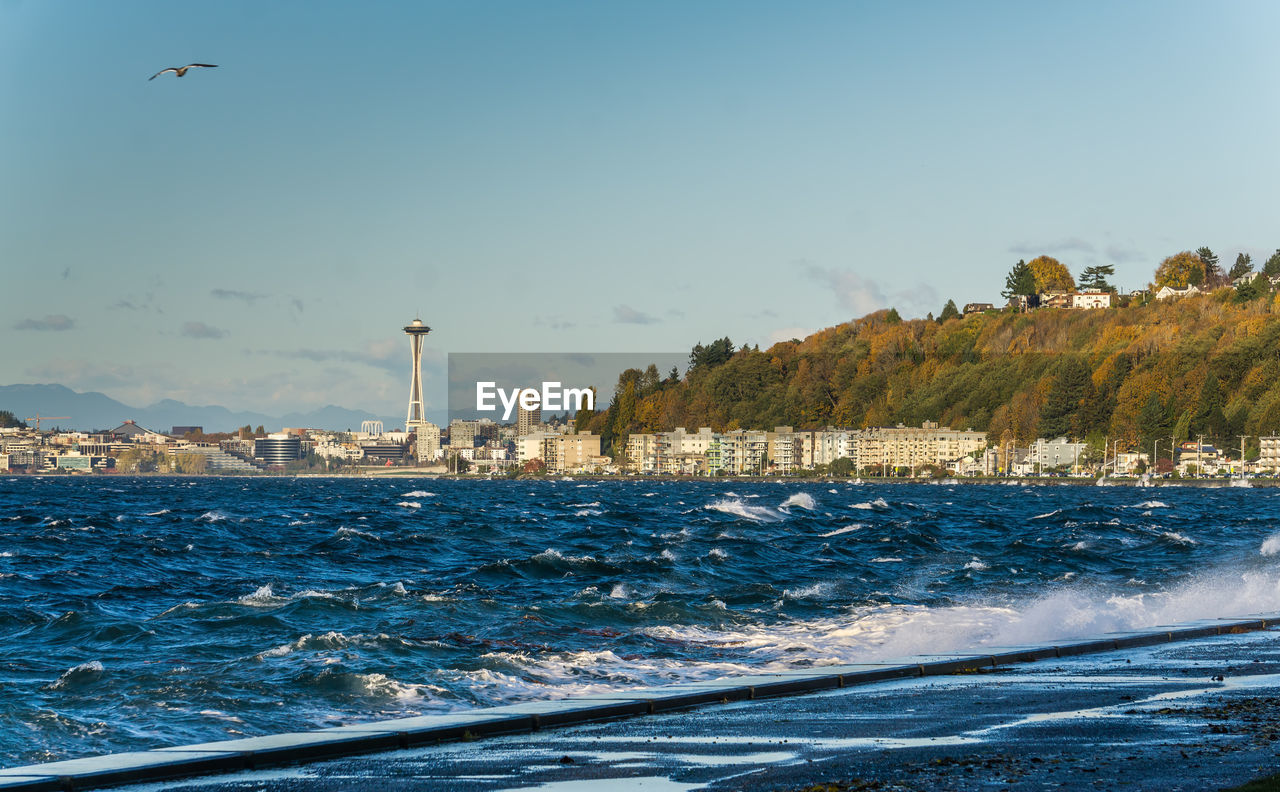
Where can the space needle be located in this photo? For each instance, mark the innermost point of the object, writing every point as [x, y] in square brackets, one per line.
[416, 332]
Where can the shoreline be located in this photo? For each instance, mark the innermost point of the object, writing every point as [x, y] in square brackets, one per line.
[408, 473]
[616, 712]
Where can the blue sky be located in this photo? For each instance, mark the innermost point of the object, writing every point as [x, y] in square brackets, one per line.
[572, 176]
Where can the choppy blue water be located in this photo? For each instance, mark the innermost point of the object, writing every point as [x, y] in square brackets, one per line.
[136, 613]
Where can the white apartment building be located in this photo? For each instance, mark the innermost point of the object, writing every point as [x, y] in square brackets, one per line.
[1045, 454]
[743, 451]
[908, 446]
[529, 447]
[833, 444]
[1269, 456]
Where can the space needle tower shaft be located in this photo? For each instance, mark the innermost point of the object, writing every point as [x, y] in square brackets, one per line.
[416, 332]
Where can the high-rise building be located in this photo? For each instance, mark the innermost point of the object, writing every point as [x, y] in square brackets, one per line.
[528, 421]
[416, 331]
[462, 434]
[426, 441]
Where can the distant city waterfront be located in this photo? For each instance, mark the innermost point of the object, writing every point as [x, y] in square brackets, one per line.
[530, 447]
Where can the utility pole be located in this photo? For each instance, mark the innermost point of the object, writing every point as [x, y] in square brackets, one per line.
[1199, 456]
[1242, 439]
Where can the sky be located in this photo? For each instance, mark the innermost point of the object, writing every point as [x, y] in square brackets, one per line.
[585, 177]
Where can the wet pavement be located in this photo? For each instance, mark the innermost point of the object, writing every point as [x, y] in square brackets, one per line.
[1202, 714]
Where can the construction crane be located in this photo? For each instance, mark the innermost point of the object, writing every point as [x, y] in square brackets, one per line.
[40, 418]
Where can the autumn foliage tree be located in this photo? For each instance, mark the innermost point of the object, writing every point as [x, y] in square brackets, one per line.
[1203, 364]
[1180, 271]
[1051, 275]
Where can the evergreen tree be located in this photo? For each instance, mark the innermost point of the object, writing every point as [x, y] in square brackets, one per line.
[949, 311]
[1272, 267]
[1212, 272]
[8, 420]
[1153, 420]
[893, 317]
[1209, 418]
[1242, 267]
[1058, 415]
[1020, 281]
[1095, 278]
[711, 355]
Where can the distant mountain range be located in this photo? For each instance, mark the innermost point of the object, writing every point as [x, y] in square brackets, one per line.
[93, 410]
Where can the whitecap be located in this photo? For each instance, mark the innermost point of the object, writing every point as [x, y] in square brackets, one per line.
[802, 499]
[976, 565]
[885, 560]
[844, 530]
[261, 596]
[813, 590]
[1270, 545]
[84, 671]
[410, 504]
[418, 494]
[878, 503]
[737, 508]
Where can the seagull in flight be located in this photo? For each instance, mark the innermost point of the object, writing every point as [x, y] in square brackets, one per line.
[181, 70]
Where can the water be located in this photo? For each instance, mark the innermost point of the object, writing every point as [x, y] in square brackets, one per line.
[136, 613]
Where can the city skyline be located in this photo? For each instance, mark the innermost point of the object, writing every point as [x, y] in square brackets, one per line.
[566, 177]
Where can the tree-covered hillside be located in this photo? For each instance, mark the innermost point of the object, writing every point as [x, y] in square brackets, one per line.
[1202, 365]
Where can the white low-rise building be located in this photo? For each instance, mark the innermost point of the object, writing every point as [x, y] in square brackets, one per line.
[1088, 300]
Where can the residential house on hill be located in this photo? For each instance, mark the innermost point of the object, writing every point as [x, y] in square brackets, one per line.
[1168, 292]
[1088, 300]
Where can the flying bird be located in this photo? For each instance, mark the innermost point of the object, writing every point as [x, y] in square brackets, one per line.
[181, 70]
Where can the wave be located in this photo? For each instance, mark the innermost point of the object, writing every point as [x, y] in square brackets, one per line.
[801, 499]
[1070, 611]
[418, 494]
[211, 517]
[410, 504]
[262, 595]
[877, 504]
[1270, 545]
[735, 507]
[85, 672]
[844, 530]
